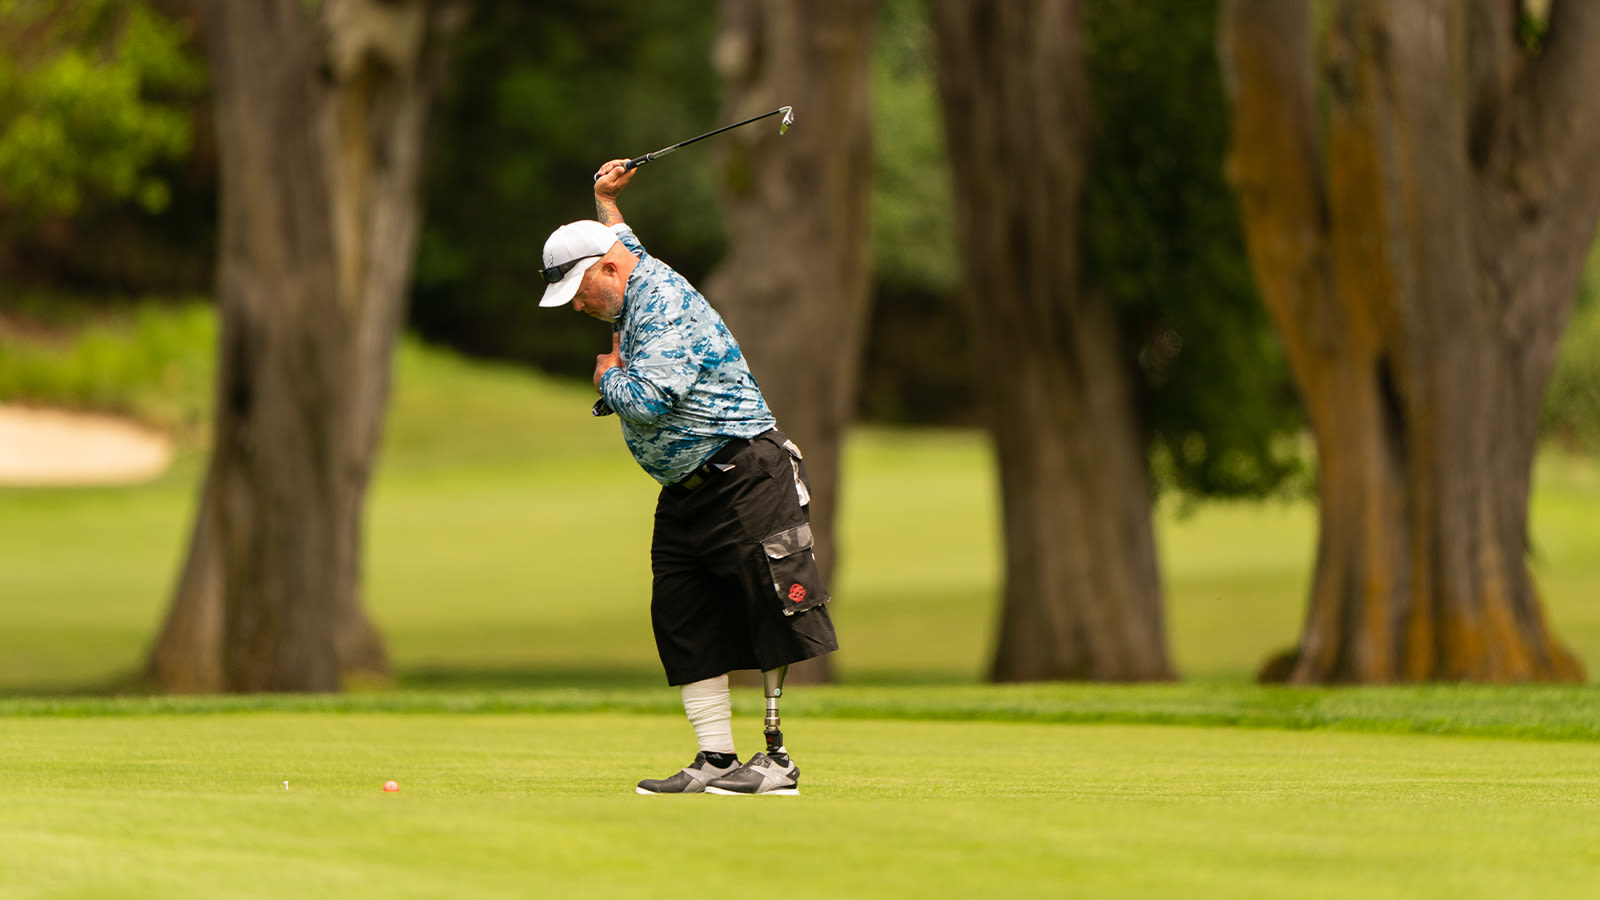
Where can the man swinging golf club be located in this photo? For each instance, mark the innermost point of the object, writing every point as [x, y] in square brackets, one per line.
[735, 584]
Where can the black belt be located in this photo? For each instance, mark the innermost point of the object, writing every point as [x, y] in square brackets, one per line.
[709, 467]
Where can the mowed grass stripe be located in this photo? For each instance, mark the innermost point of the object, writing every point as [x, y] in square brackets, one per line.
[542, 805]
[1531, 711]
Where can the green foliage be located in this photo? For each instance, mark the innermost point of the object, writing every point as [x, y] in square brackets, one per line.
[93, 93]
[1571, 411]
[539, 95]
[1163, 240]
[151, 362]
[913, 232]
[1533, 25]
[916, 367]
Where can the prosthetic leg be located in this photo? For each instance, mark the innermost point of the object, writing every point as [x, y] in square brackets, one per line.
[772, 683]
[772, 772]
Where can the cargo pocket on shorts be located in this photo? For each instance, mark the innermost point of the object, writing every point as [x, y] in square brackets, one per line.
[794, 569]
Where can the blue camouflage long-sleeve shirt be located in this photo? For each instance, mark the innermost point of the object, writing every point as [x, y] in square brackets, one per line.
[683, 389]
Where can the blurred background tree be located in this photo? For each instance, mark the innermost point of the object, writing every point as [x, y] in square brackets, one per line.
[1419, 211]
[1081, 591]
[322, 112]
[795, 283]
[1199, 387]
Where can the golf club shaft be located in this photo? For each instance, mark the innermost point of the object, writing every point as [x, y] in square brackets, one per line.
[636, 162]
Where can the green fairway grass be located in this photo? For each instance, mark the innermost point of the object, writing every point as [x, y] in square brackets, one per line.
[541, 805]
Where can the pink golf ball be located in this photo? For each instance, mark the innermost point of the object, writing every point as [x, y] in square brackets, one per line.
[391, 786]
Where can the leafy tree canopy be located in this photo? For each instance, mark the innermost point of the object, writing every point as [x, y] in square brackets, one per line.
[97, 97]
[1162, 237]
[538, 96]
[92, 94]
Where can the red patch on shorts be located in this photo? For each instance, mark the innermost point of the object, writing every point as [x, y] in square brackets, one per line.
[797, 593]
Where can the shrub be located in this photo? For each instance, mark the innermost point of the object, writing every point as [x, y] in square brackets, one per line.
[153, 363]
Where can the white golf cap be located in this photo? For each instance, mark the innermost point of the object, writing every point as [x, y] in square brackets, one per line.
[569, 252]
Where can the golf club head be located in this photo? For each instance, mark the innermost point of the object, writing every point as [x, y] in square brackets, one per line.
[788, 119]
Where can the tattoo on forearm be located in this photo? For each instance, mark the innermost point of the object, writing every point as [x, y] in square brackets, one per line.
[606, 211]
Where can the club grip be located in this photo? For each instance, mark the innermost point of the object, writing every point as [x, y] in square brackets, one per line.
[634, 163]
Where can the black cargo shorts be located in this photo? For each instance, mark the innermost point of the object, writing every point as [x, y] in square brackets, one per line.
[735, 578]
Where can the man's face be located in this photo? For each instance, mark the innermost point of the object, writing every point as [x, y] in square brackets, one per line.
[599, 296]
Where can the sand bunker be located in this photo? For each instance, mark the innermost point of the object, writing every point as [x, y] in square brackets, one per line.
[50, 447]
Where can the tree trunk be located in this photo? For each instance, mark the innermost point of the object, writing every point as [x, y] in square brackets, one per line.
[795, 285]
[1082, 591]
[320, 114]
[1420, 274]
[187, 655]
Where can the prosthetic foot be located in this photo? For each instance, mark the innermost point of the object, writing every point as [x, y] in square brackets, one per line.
[771, 772]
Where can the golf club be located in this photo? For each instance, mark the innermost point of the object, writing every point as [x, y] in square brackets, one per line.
[636, 162]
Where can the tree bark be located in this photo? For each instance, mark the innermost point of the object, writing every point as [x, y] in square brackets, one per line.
[187, 655]
[1082, 595]
[795, 286]
[1420, 273]
[320, 116]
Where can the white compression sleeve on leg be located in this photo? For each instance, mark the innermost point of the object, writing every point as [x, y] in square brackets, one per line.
[710, 709]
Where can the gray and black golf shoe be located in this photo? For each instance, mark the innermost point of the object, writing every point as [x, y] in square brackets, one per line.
[763, 774]
[691, 780]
